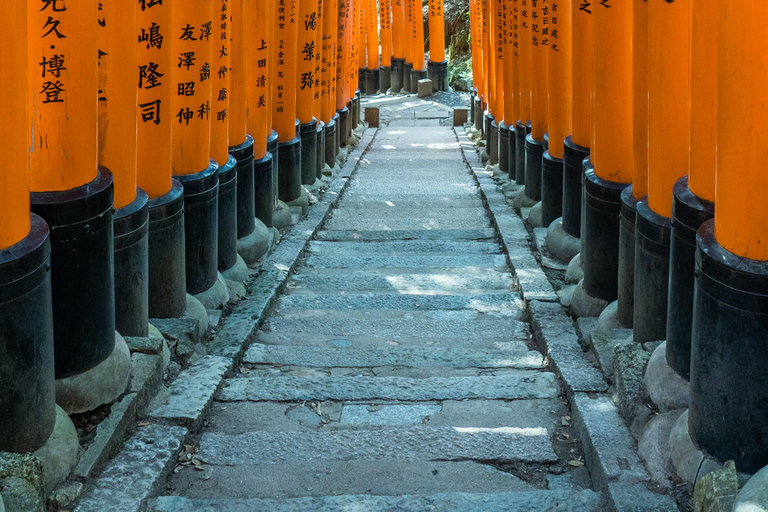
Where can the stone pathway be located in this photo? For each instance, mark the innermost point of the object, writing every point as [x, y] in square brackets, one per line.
[397, 372]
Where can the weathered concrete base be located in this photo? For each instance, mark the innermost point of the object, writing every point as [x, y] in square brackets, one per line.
[666, 389]
[562, 246]
[97, 386]
[653, 447]
[315, 187]
[753, 497]
[604, 336]
[20, 495]
[301, 204]
[59, 453]
[717, 491]
[629, 363]
[534, 216]
[276, 236]
[521, 200]
[252, 248]
[281, 218]
[236, 289]
[689, 461]
[192, 325]
[575, 271]
[154, 332]
[215, 296]
[608, 321]
[584, 304]
[238, 272]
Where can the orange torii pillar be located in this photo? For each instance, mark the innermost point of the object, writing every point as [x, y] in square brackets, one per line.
[727, 416]
[576, 148]
[284, 108]
[385, 28]
[26, 332]
[344, 60]
[693, 195]
[497, 66]
[399, 45]
[408, 66]
[669, 122]
[221, 110]
[611, 167]
[305, 93]
[258, 83]
[167, 275]
[419, 70]
[372, 77]
[75, 197]
[639, 187]
[118, 152]
[437, 66]
[358, 46]
[477, 58]
[192, 37]
[328, 83]
[489, 78]
[510, 99]
[317, 106]
[523, 82]
[560, 244]
[280, 213]
[535, 142]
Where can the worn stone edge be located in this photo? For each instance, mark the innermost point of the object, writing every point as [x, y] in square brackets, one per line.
[512, 232]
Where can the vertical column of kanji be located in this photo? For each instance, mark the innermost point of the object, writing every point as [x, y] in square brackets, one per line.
[328, 91]
[419, 61]
[167, 275]
[523, 125]
[279, 215]
[668, 152]
[358, 47]
[221, 85]
[612, 168]
[437, 67]
[559, 108]
[510, 99]
[342, 70]
[385, 29]
[28, 414]
[372, 48]
[118, 153]
[318, 87]
[408, 66]
[477, 58]
[728, 356]
[488, 78]
[497, 72]
[192, 40]
[305, 99]
[693, 195]
[639, 187]
[535, 142]
[576, 147]
[399, 45]
[75, 197]
[284, 107]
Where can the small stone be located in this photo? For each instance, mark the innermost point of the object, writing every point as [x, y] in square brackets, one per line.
[718, 484]
[64, 495]
[25, 466]
[18, 495]
[629, 364]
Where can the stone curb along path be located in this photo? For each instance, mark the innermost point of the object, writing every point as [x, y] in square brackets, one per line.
[610, 452]
[135, 475]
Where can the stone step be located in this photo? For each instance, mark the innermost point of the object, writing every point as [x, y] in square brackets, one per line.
[518, 356]
[411, 247]
[429, 212]
[500, 445]
[368, 262]
[358, 195]
[500, 302]
[423, 284]
[523, 501]
[401, 234]
[516, 385]
[304, 339]
[437, 202]
[449, 326]
[423, 222]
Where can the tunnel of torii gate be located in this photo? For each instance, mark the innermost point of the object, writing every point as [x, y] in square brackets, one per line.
[153, 150]
[635, 136]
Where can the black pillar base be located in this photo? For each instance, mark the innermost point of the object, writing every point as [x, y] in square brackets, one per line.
[573, 172]
[551, 188]
[600, 235]
[358, 109]
[342, 126]
[487, 122]
[521, 131]
[385, 79]
[371, 81]
[408, 85]
[728, 417]
[493, 149]
[308, 136]
[331, 142]
[272, 147]
[689, 212]
[512, 154]
[361, 74]
[82, 272]
[397, 72]
[417, 75]
[227, 249]
[477, 113]
[28, 408]
[201, 230]
[246, 202]
[472, 97]
[263, 207]
[167, 274]
[652, 239]
[320, 151]
[534, 151]
[626, 294]
[289, 169]
[438, 73]
[131, 225]
[503, 150]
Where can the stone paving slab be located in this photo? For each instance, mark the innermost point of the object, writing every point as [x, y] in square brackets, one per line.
[399, 212]
[137, 472]
[517, 384]
[447, 203]
[542, 501]
[415, 234]
[408, 261]
[434, 283]
[403, 246]
[520, 357]
[305, 339]
[506, 444]
[424, 222]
